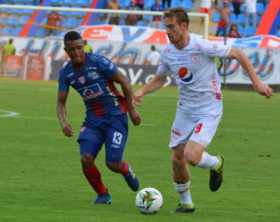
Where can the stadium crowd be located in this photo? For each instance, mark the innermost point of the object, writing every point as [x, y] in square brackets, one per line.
[243, 15]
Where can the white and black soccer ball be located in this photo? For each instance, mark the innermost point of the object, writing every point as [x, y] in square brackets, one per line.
[149, 200]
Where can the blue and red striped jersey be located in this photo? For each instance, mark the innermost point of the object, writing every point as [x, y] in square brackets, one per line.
[93, 83]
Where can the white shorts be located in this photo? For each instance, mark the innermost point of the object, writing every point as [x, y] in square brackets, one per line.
[197, 128]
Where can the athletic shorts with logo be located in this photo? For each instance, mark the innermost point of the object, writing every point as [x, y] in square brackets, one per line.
[189, 127]
[112, 133]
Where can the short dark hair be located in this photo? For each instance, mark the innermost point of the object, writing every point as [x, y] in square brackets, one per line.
[72, 36]
[179, 13]
[153, 48]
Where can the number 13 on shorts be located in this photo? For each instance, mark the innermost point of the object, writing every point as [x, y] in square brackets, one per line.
[117, 138]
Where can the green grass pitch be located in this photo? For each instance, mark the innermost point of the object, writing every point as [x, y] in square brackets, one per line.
[41, 180]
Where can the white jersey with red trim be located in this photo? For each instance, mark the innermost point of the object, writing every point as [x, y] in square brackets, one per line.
[196, 74]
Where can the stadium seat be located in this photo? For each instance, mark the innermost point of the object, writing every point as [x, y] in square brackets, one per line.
[148, 4]
[57, 2]
[16, 31]
[233, 18]
[23, 19]
[243, 8]
[26, 11]
[124, 4]
[215, 17]
[249, 31]
[71, 22]
[12, 21]
[40, 32]
[260, 8]
[176, 3]
[8, 1]
[240, 19]
[147, 18]
[259, 17]
[7, 30]
[241, 29]
[68, 3]
[81, 3]
[187, 5]
[141, 23]
[23, 2]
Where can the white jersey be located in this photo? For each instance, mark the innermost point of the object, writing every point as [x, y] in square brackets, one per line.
[196, 74]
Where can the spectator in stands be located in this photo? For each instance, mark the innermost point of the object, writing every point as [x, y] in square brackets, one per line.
[233, 31]
[224, 18]
[139, 3]
[156, 19]
[114, 19]
[132, 19]
[152, 57]
[87, 47]
[251, 13]
[236, 4]
[53, 25]
[167, 2]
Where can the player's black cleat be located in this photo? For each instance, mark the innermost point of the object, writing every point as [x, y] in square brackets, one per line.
[216, 176]
[185, 208]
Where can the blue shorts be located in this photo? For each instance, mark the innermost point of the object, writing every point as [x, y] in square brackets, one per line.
[112, 133]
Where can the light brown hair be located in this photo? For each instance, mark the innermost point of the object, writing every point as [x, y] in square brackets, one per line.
[179, 13]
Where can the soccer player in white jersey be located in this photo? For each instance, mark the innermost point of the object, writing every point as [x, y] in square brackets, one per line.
[189, 59]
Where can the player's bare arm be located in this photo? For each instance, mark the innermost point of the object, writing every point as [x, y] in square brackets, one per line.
[155, 84]
[260, 87]
[127, 91]
[61, 113]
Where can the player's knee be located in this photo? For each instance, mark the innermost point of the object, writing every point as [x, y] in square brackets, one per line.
[114, 166]
[87, 160]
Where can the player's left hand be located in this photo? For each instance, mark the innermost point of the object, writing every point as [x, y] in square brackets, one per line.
[135, 117]
[264, 90]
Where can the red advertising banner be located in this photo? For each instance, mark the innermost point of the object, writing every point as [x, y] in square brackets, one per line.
[12, 66]
[35, 67]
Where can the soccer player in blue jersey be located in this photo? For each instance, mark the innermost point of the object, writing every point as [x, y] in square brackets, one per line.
[94, 77]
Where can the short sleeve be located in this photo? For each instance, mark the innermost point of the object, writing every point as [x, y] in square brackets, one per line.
[163, 67]
[213, 49]
[63, 84]
[106, 67]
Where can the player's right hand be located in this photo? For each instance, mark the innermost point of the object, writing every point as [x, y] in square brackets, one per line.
[67, 130]
[138, 97]
[264, 90]
[135, 117]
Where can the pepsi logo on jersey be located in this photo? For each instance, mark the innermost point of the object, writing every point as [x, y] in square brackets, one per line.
[184, 74]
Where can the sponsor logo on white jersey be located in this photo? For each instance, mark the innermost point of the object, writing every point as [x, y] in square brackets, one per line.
[184, 74]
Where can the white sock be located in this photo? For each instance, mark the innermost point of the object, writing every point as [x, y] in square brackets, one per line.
[208, 161]
[183, 189]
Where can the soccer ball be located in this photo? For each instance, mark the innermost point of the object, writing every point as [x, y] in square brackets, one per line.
[149, 200]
